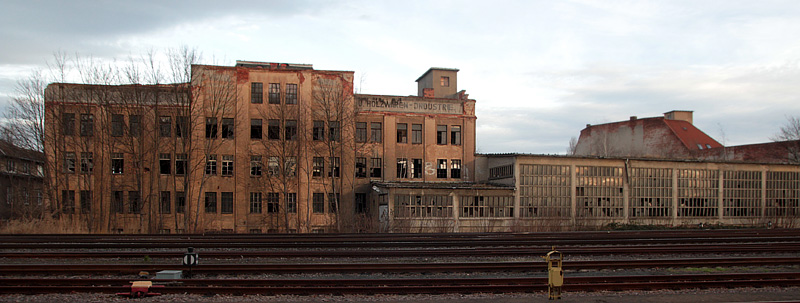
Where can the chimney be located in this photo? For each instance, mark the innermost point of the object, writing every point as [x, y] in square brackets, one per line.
[427, 93]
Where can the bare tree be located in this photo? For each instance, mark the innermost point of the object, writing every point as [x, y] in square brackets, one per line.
[573, 146]
[789, 134]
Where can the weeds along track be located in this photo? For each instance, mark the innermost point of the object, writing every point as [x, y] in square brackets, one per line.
[401, 286]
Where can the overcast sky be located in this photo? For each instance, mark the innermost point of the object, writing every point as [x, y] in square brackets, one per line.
[539, 70]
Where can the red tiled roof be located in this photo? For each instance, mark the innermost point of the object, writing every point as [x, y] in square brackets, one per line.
[690, 136]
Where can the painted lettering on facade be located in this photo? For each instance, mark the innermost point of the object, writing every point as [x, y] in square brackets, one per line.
[398, 104]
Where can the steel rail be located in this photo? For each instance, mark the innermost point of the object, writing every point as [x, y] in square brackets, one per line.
[366, 253]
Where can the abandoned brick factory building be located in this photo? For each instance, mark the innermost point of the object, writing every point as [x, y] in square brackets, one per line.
[271, 147]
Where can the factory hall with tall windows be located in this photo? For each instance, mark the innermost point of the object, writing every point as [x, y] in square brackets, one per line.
[262, 147]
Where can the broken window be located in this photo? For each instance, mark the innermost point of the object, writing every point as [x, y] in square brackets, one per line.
[164, 163]
[402, 133]
[255, 128]
[319, 130]
[227, 128]
[455, 135]
[441, 170]
[117, 125]
[117, 163]
[165, 126]
[402, 168]
[441, 134]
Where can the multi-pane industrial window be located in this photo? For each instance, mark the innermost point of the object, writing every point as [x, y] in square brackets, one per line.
[226, 201]
[318, 203]
[333, 202]
[274, 166]
[86, 201]
[441, 134]
[445, 81]
[416, 133]
[87, 163]
[318, 166]
[117, 125]
[423, 206]
[87, 125]
[68, 201]
[134, 125]
[402, 168]
[274, 93]
[211, 164]
[69, 162]
[441, 168]
[164, 163]
[227, 165]
[487, 206]
[599, 191]
[455, 134]
[501, 172]
[783, 195]
[274, 129]
[211, 128]
[227, 128]
[290, 166]
[256, 92]
[698, 192]
[334, 131]
[255, 166]
[741, 193]
[134, 202]
[361, 132]
[291, 93]
[166, 203]
[416, 168]
[117, 163]
[545, 191]
[318, 133]
[334, 167]
[651, 192]
[375, 134]
[68, 124]
[361, 167]
[255, 129]
[402, 133]
[273, 200]
[180, 202]
[211, 202]
[181, 164]
[291, 130]
[181, 126]
[165, 126]
[118, 202]
[455, 169]
[376, 168]
[255, 203]
[291, 202]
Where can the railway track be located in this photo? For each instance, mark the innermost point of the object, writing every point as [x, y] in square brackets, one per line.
[400, 286]
[469, 267]
[770, 247]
